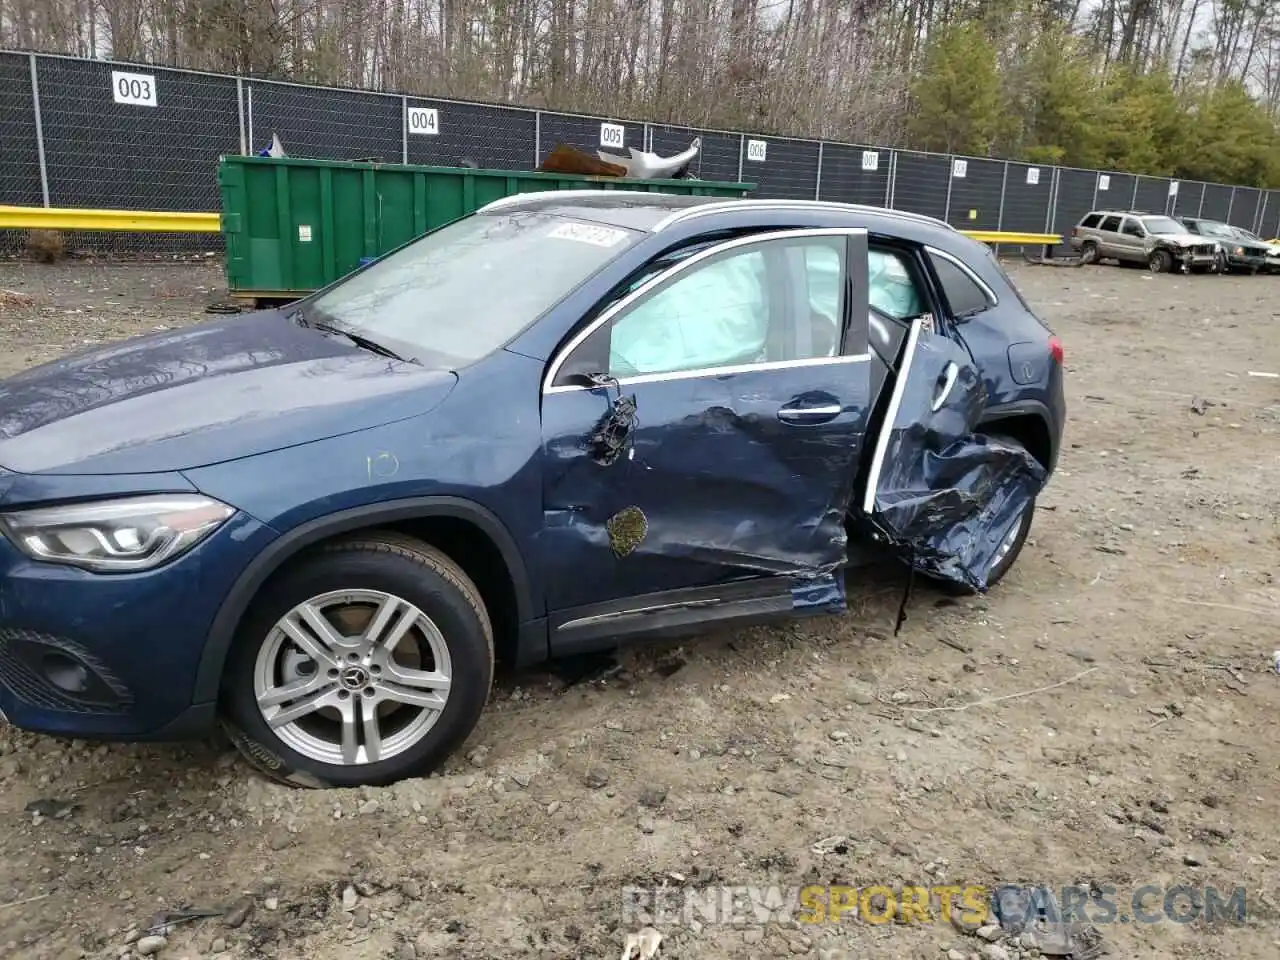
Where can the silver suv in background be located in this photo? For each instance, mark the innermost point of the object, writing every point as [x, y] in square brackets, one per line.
[1131, 236]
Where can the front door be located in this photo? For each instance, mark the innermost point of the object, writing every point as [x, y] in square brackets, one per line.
[942, 496]
[701, 439]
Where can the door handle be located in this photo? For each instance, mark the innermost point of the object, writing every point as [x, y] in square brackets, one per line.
[810, 414]
[945, 384]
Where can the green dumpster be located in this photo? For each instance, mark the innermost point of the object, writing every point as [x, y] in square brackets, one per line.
[292, 225]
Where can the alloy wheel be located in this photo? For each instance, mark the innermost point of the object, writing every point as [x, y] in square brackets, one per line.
[1008, 542]
[352, 677]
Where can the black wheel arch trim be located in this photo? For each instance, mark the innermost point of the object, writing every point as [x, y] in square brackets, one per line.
[275, 554]
[1026, 408]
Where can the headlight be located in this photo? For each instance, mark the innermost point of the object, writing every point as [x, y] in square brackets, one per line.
[115, 536]
[1239, 251]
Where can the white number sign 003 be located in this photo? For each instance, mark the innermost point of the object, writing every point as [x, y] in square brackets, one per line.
[423, 120]
[136, 89]
[1033, 175]
[613, 135]
[959, 168]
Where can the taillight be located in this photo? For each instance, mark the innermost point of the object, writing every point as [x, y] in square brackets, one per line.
[1075, 231]
[1055, 349]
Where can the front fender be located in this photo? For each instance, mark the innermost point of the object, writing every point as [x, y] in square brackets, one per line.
[222, 632]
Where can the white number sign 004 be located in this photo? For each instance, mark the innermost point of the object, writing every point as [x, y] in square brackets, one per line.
[423, 120]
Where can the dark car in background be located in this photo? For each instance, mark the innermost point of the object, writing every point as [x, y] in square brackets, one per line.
[1237, 251]
[566, 421]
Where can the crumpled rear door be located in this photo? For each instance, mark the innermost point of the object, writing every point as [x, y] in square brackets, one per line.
[942, 495]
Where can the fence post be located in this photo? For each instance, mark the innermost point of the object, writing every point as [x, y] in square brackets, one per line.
[244, 147]
[817, 186]
[891, 181]
[1133, 202]
[742, 152]
[537, 138]
[951, 176]
[404, 130]
[1260, 215]
[1230, 203]
[1004, 184]
[249, 111]
[35, 106]
[1051, 205]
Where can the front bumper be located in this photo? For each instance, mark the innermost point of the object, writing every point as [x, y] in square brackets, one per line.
[115, 656]
[1193, 257]
[1246, 261]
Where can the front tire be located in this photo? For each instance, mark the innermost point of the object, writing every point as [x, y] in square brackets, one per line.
[1160, 262]
[367, 663]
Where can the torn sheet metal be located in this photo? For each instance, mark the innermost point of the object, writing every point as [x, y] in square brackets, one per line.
[944, 496]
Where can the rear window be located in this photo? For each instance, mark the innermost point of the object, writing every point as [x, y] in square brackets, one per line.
[995, 262]
[963, 295]
[1091, 221]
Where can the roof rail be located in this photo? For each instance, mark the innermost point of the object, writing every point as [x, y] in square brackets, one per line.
[709, 208]
[516, 198]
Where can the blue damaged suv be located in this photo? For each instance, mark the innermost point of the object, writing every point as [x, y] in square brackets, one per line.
[569, 420]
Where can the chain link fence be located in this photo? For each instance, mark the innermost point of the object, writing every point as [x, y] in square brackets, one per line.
[93, 134]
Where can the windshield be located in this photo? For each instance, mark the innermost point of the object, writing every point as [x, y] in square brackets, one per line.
[463, 291]
[1245, 234]
[1211, 229]
[1163, 225]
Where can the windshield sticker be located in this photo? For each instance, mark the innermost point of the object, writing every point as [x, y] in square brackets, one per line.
[585, 233]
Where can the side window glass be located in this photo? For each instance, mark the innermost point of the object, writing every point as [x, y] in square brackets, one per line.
[892, 289]
[964, 297]
[716, 314]
[1111, 224]
[818, 334]
[1131, 227]
[1091, 221]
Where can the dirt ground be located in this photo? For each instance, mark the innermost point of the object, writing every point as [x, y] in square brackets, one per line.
[1106, 717]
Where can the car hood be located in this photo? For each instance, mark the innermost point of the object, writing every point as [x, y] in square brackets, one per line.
[1184, 239]
[203, 394]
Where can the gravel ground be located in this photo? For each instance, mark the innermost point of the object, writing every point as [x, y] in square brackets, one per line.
[1105, 717]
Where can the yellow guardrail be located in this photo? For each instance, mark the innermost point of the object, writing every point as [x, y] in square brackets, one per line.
[1028, 239]
[151, 221]
[139, 221]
